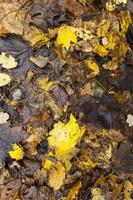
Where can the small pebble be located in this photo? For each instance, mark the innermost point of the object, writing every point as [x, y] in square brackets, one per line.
[17, 94]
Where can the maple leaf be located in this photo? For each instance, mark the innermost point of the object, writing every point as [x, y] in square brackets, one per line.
[4, 79]
[64, 137]
[57, 176]
[66, 35]
[7, 62]
[17, 153]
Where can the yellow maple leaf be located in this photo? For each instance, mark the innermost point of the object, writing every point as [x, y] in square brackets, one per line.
[17, 153]
[66, 35]
[100, 50]
[57, 176]
[7, 62]
[64, 137]
[93, 66]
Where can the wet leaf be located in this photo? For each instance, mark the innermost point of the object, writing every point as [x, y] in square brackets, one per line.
[17, 152]
[66, 35]
[4, 79]
[57, 176]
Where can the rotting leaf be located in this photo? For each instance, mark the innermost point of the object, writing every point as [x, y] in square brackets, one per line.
[4, 79]
[57, 176]
[7, 62]
[17, 152]
[73, 193]
[11, 190]
[66, 35]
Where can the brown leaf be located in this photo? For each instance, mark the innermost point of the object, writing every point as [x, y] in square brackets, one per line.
[75, 7]
[61, 95]
[10, 191]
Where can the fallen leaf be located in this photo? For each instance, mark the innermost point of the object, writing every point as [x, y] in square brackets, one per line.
[4, 79]
[83, 33]
[128, 187]
[11, 190]
[87, 90]
[36, 37]
[66, 35]
[73, 193]
[57, 176]
[64, 137]
[130, 120]
[96, 194]
[3, 117]
[17, 153]
[13, 19]
[113, 4]
[7, 62]
[40, 61]
[93, 66]
[45, 84]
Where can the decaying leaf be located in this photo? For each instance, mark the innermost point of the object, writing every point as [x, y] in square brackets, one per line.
[7, 62]
[40, 61]
[17, 153]
[73, 193]
[96, 194]
[12, 21]
[87, 89]
[3, 117]
[83, 33]
[11, 190]
[130, 120]
[93, 66]
[36, 37]
[113, 4]
[128, 187]
[4, 79]
[45, 84]
[57, 176]
[66, 35]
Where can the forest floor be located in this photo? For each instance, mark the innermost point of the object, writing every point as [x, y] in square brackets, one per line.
[66, 100]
